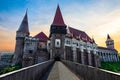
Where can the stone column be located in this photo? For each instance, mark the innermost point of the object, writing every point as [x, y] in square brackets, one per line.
[101, 57]
[111, 57]
[96, 59]
[64, 55]
[51, 55]
[104, 57]
[89, 58]
[108, 57]
[74, 55]
[117, 58]
[82, 57]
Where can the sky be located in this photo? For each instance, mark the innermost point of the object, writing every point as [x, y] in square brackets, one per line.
[96, 17]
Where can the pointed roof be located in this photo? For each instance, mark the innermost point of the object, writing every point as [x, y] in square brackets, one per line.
[42, 36]
[108, 37]
[24, 25]
[58, 19]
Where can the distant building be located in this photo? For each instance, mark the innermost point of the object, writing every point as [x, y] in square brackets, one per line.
[109, 53]
[35, 49]
[6, 58]
[29, 50]
[64, 42]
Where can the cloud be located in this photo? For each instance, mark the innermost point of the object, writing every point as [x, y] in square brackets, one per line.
[7, 39]
[97, 18]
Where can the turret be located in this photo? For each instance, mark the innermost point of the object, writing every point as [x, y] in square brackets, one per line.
[21, 33]
[57, 35]
[109, 42]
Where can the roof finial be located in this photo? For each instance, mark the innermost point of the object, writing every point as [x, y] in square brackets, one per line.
[57, 4]
[108, 37]
[26, 10]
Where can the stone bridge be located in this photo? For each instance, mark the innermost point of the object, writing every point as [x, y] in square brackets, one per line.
[60, 70]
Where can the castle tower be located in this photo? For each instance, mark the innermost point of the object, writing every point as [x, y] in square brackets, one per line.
[57, 35]
[109, 42]
[21, 33]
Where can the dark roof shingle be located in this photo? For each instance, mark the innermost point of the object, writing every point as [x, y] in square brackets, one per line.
[78, 33]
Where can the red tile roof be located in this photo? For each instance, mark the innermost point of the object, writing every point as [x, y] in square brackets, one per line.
[58, 19]
[42, 36]
[78, 33]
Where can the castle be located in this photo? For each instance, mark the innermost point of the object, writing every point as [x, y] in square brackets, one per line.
[64, 42]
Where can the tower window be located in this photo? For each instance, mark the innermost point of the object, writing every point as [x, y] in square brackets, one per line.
[57, 43]
[49, 44]
[30, 51]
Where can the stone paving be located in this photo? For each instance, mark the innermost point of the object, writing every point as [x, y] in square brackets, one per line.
[61, 72]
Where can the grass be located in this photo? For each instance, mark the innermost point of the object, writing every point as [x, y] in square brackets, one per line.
[111, 66]
[9, 69]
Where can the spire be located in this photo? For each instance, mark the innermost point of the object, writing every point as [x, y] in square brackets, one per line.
[108, 37]
[24, 25]
[58, 19]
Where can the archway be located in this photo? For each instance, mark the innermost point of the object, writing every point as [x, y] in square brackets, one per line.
[57, 58]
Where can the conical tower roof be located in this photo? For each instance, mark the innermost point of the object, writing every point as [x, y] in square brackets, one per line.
[108, 37]
[58, 19]
[24, 25]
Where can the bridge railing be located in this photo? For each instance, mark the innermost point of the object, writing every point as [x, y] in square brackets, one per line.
[91, 73]
[34, 72]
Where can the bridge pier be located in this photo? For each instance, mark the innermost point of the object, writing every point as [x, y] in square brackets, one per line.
[89, 59]
[74, 55]
[82, 57]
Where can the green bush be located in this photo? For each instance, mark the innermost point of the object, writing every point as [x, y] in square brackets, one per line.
[9, 69]
[111, 66]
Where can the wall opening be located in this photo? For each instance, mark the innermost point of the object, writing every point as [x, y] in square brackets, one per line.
[57, 58]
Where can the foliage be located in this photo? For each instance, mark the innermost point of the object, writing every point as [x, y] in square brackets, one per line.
[9, 69]
[111, 66]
